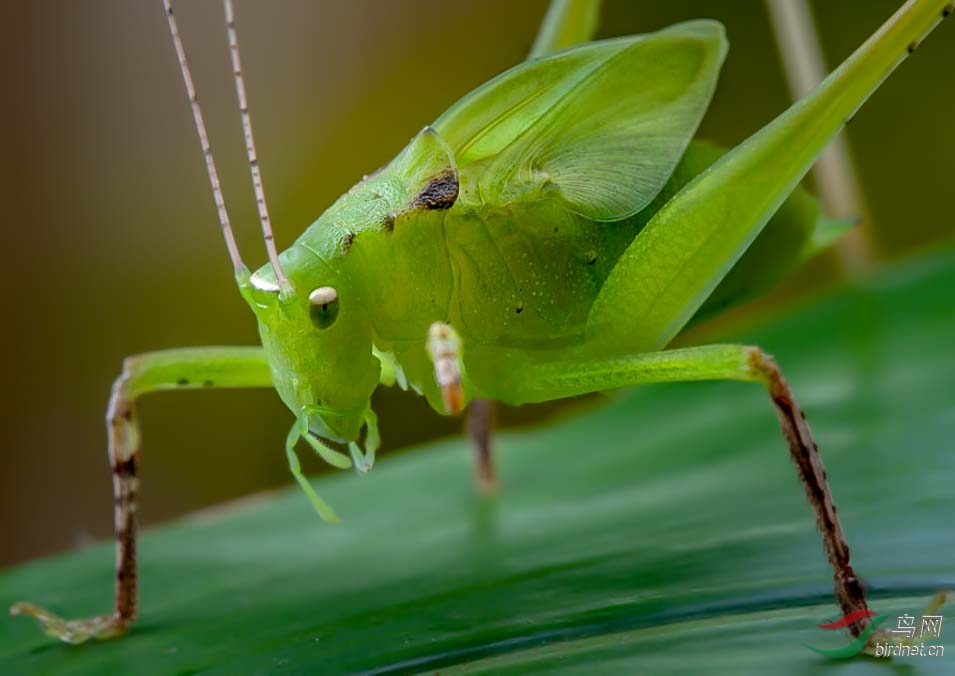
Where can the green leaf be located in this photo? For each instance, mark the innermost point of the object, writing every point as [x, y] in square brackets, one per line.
[662, 532]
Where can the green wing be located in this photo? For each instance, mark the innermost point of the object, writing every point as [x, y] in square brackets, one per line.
[599, 127]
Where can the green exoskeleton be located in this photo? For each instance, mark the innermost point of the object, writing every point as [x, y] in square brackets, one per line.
[547, 236]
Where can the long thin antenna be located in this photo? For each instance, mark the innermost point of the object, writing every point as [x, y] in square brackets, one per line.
[204, 142]
[250, 147]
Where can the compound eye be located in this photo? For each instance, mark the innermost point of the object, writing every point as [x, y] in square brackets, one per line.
[324, 310]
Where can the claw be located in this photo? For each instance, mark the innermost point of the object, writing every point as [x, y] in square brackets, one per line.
[73, 632]
[365, 460]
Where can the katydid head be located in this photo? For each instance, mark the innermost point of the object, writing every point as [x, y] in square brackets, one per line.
[319, 344]
[315, 332]
[316, 337]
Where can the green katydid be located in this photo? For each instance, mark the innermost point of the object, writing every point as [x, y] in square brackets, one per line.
[547, 236]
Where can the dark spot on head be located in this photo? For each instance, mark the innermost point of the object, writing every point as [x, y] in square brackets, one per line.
[440, 192]
[207, 383]
[347, 241]
[182, 382]
[590, 257]
[519, 309]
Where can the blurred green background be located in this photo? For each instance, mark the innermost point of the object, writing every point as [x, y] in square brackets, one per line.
[112, 247]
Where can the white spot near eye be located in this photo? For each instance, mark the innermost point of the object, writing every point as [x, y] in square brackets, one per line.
[323, 295]
[263, 284]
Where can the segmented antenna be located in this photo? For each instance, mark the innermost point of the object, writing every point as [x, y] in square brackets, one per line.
[204, 142]
[250, 147]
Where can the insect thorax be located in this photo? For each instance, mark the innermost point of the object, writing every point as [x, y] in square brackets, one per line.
[414, 244]
[518, 276]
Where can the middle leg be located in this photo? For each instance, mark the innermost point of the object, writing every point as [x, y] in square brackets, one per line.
[444, 348]
[480, 429]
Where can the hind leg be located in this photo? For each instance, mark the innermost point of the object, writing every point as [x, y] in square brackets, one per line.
[564, 378]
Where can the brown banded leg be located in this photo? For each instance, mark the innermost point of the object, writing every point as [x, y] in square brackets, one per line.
[805, 455]
[123, 434]
[480, 427]
[170, 369]
[568, 377]
[124, 446]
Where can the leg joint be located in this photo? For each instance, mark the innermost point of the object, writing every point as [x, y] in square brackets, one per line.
[764, 368]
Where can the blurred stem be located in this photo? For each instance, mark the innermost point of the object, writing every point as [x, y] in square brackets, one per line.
[835, 175]
[567, 23]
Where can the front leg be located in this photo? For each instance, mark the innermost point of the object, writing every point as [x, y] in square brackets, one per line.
[444, 348]
[202, 367]
[558, 379]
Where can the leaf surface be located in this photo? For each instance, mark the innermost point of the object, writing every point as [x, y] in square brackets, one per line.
[664, 530]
